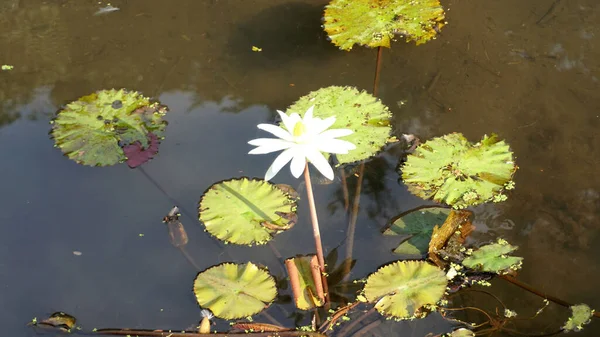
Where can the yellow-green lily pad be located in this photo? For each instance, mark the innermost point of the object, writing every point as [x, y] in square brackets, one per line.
[401, 288]
[94, 129]
[247, 211]
[374, 23]
[233, 291]
[451, 170]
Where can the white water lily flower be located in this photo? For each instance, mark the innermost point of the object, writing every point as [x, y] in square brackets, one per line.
[302, 139]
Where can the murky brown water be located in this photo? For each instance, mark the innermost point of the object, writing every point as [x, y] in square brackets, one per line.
[503, 67]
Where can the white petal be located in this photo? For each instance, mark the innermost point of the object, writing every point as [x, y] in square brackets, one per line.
[276, 131]
[298, 163]
[320, 125]
[288, 121]
[335, 146]
[319, 162]
[268, 145]
[308, 116]
[336, 133]
[279, 162]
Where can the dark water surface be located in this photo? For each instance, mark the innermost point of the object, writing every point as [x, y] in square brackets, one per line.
[499, 66]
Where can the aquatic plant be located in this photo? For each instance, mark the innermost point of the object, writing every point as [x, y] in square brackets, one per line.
[581, 315]
[493, 258]
[246, 211]
[95, 129]
[306, 282]
[234, 291]
[400, 289]
[376, 23]
[451, 170]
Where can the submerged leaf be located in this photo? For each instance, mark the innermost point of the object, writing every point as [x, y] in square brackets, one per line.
[356, 110]
[401, 288]
[417, 226]
[581, 315]
[94, 129]
[305, 279]
[233, 291]
[375, 23]
[493, 258]
[451, 170]
[246, 212]
[462, 332]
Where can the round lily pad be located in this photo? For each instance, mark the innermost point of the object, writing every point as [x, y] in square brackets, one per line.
[401, 288]
[356, 110]
[247, 212]
[233, 291]
[451, 170]
[94, 129]
[375, 23]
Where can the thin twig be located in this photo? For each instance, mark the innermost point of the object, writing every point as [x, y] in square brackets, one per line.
[540, 294]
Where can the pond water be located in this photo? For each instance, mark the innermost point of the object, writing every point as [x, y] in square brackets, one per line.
[90, 242]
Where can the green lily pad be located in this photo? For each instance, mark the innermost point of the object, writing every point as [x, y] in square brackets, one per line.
[246, 212]
[401, 288]
[417, 227]
[451, 170]
[581, 315]
[233, 291]
[375, 23]
[493, 258]
[305, 279]
[93, 129]
[356, 110]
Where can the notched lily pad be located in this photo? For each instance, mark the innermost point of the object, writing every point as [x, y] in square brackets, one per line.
[356, 110]
[581, 315]
[95, 129]
[233, 291]
[494, 258]
[246, 212]
[451, 170]
[416, 226]
[400, 289]
[375, 23]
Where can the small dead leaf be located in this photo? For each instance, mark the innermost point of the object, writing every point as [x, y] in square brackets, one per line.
[256, 49]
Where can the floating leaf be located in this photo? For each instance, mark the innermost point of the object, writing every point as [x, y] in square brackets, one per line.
[581, 315]
[417, 226]
[233, 291]
[462, 332]
[356, 110]
[246, 212]
[493, 258]
[401, 288]
[306, 281]
[94, 129]
[375, 23]
[451, 170]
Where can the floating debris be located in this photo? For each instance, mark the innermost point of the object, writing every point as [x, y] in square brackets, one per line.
[107, 9]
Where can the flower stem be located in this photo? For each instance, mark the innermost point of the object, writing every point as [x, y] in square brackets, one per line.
[316, 232]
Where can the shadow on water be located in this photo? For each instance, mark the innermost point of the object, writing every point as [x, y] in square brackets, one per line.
[497, 67]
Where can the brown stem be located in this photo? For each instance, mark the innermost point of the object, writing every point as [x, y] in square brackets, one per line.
[316, 232]
[540, 294]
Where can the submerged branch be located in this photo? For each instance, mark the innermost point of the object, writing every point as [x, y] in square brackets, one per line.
[162, 333]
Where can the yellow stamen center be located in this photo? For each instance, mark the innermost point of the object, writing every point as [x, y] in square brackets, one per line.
[299, 129]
